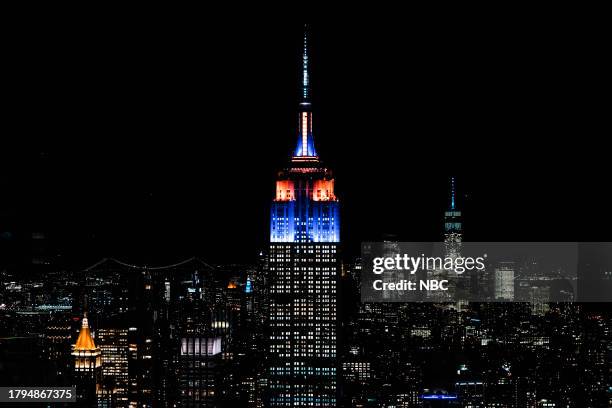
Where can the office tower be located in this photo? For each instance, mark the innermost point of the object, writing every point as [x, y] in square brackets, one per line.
[303, 273]
[504, 281]
[453, 229]
[58, 334]
[459, 284]
[249, 350]
[200, 371]
[390, 248]
[113, 343]
[87, 365]
[539, 297]
[202, 324]
[250, 335]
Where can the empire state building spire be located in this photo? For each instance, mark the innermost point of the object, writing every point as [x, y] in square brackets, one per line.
[305, 149]
[305, 71]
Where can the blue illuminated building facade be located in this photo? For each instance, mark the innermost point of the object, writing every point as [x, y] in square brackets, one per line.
[305, 208]
[303, 271]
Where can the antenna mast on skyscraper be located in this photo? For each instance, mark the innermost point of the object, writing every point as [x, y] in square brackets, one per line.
[452, 193]
[305, 70]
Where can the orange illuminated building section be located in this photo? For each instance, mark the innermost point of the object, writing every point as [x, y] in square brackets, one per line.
[87, 355]
[285, 190]
[85, 342]
[323, 190]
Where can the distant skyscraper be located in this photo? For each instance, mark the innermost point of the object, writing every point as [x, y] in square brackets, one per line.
[453, 235]
[453, 228]
[87, 365]
[303, 274]
[58, 334]
[504, 281]
[113, 342]
[199, 371]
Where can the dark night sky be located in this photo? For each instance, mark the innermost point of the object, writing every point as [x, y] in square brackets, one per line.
[156, 147]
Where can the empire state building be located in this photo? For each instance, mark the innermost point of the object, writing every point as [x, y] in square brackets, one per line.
[303, 273]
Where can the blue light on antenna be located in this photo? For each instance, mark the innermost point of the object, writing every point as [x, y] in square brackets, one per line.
[452, 193]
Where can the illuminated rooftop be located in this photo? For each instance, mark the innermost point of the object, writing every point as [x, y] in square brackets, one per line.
[85, 342]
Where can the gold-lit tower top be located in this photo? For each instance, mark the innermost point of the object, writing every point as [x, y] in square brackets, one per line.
[85, 342]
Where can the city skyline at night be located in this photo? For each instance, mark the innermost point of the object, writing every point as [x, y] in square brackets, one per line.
[211, 241]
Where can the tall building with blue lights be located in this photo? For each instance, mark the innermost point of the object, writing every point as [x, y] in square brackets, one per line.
[303, 272]
[453, 226]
